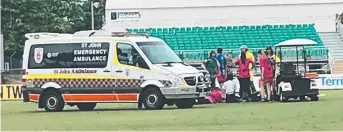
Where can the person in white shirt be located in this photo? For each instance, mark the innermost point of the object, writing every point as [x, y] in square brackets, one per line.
[232, 88]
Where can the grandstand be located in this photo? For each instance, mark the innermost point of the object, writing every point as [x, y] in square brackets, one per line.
[195, 27]
[193, 43]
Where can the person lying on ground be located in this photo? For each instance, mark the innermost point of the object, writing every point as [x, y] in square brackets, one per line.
[215, 96]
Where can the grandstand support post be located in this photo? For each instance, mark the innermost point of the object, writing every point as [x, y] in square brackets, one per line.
[11, 60]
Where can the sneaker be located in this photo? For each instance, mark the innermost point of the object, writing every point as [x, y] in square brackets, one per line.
[262, 100]
[249, 100]
[242, 100]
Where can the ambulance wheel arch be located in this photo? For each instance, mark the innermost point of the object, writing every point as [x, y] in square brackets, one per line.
[51, 85]
[153, 83]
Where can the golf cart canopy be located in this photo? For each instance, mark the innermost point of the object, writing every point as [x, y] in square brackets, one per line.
[296, 42]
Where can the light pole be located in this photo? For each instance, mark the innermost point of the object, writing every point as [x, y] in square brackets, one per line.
[96, 5]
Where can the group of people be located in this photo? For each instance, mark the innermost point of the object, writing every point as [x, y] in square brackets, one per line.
[222, 70]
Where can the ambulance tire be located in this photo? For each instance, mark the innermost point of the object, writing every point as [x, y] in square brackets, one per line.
[184, 103]
[153, 99]
[53, 101]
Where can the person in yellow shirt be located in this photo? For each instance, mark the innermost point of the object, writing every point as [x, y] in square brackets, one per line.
[271, 55]
[249, 55]
[275, 59]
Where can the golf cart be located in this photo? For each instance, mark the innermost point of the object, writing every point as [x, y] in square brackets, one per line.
[293, 79]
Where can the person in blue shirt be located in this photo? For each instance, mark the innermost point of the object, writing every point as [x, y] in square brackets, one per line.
[222, 62]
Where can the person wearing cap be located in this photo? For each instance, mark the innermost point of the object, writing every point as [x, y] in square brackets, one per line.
[250, 56]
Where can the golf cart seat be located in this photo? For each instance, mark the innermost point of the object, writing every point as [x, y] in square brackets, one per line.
[287, 69]
[287, 72]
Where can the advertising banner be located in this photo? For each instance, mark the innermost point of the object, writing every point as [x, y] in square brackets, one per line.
[125, 16]
[11, 92]
[324, 81]
[330, 81]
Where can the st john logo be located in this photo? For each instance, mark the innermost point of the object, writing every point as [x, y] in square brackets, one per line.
[38, 55]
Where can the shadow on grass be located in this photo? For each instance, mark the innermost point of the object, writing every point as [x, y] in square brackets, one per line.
[111, 110]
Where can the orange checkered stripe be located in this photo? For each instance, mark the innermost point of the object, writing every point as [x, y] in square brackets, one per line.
[94, 83]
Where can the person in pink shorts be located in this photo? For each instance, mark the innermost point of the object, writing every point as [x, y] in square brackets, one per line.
[266, 75]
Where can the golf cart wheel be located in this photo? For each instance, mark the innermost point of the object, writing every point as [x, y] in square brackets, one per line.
[302, 98]
[314, 98]
[153, 99]
[283, 98]
[86, 106]
[53, 101]
[184, 103]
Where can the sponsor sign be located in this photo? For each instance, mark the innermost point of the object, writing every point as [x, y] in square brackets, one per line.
[324, 81]
[330, 81]
[125, 15]
[11, 92]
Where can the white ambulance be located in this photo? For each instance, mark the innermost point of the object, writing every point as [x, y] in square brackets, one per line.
[91, 67]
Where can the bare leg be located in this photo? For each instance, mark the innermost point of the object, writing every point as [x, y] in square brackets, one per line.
[223, 91]
[269, 91]
[262, 92]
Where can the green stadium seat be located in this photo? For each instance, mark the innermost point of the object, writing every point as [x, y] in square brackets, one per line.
[232, 37]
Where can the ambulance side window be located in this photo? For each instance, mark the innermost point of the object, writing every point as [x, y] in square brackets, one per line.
[69, 55]
[128, 55]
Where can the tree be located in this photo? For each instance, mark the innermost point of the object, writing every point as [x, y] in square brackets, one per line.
[60, 16]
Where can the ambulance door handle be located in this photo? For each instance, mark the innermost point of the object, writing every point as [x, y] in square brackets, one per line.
[107, 71]
[119, 71]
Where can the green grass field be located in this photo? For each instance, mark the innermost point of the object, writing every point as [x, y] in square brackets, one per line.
[326, 114]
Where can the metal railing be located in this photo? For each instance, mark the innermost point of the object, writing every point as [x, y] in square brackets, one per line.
[12, 76]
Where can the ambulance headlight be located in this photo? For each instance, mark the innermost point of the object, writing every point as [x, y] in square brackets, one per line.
[208, 77]
[201, 78]
[176, 80]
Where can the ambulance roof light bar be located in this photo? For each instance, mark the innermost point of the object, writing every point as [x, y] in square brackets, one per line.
[129, 34]
[45, 35]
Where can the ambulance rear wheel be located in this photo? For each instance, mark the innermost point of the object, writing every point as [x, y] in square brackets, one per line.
[153, 99]
[53, 101]
[86, 106]
[185, 103]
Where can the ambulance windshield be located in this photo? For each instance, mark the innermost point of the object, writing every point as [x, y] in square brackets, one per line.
[159, 52]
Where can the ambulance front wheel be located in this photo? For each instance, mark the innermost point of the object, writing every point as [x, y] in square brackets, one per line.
[153, 99]
[185, 103]
[53, 101]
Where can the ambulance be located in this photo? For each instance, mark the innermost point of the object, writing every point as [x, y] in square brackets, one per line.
[90, 67]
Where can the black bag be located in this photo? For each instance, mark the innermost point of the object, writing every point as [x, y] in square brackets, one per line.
[252, 87]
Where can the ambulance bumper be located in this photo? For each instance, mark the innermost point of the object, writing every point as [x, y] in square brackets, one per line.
[199, 91]
[180, 93]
